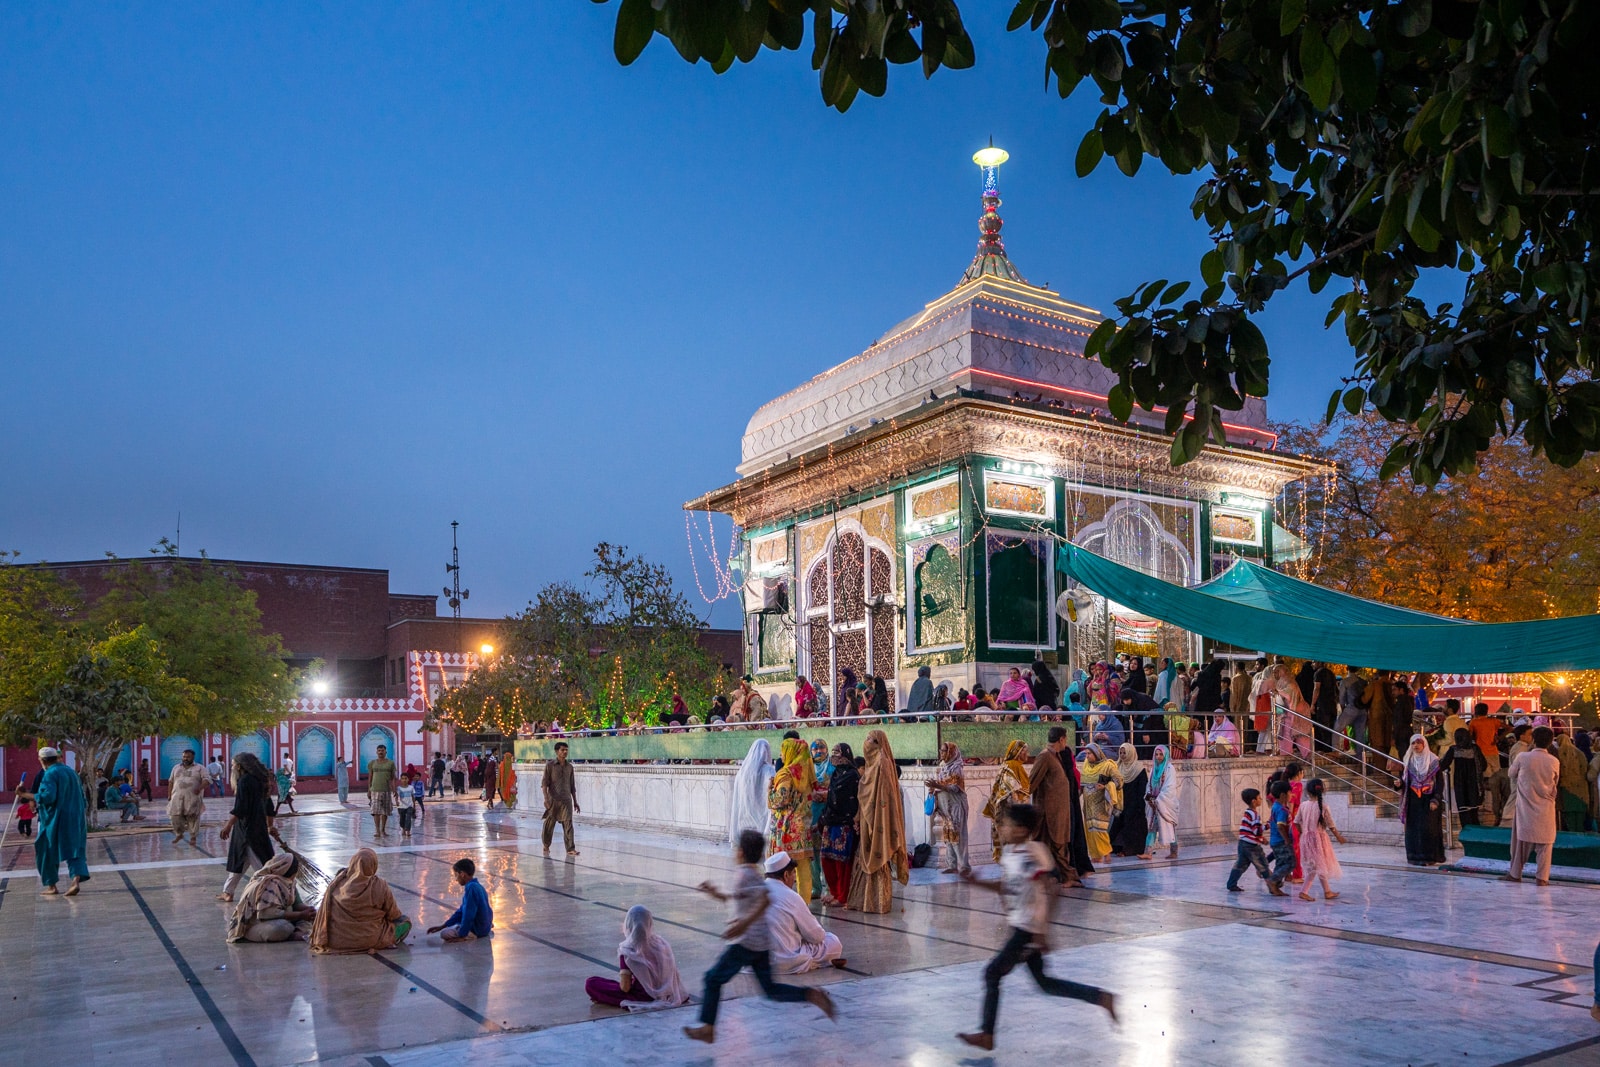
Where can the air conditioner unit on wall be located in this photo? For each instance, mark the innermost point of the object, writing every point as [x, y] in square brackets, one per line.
[766, 596]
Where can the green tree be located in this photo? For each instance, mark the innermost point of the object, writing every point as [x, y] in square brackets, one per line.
[96, 696]
[1362, 143]
[210, 629]
[592, 656]
[36, 607]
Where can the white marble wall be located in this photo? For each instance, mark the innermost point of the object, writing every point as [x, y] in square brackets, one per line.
[693, 800]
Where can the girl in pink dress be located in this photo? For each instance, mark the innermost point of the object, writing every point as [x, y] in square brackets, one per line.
[1317, 860]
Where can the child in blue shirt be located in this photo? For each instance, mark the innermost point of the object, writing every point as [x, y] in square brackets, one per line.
[419, 789]
[1281, 838]
[475, 918]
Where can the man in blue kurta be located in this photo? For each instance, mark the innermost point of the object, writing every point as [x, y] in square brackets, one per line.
[63, 829]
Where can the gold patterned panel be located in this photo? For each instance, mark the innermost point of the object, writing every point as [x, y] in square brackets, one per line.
[770, 553]
[813, 539]
[1018, 497]
[878, 521]
[978, 427]
[1232, 526]
[930, 505]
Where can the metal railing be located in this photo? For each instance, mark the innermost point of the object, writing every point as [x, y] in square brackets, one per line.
[1367, 770]
[918, 736]
[981, 733]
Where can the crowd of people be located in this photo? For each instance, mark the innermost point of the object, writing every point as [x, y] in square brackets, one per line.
[1219, 708]
[817, 822]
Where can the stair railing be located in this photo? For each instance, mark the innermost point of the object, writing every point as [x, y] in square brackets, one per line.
[1368, 777]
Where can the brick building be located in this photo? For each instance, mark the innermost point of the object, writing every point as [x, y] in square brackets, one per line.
[384, 655]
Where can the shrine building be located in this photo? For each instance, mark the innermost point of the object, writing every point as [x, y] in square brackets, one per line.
[901, 509]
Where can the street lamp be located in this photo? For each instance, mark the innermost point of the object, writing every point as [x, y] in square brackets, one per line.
[486, 648]
[320, 687]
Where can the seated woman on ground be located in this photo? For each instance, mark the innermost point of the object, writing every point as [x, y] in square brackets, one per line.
[647, 974]
[358, 912]
[270, 908]
[1223, 740]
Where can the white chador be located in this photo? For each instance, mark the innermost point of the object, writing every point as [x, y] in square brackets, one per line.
[799, 943]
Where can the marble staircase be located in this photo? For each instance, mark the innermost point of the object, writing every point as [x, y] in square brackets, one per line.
[1366, 811]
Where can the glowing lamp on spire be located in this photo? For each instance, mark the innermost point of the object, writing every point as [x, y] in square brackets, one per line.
[989, 160]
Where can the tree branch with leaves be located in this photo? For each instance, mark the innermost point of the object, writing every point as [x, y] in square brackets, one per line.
[1357, 143]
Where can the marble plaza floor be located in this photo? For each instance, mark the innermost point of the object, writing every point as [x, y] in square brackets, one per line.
[1407, 967]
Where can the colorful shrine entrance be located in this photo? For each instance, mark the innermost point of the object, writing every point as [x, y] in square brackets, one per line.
[849, 606]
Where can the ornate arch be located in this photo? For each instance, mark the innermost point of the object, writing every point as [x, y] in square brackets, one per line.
[842, 627]
[1131, 533]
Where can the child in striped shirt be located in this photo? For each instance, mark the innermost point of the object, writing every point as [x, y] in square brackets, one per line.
[1252, 839]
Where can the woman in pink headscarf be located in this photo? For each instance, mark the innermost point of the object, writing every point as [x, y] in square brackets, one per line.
[1104, 688]
[647, 973]
[805, 698]
[1014, 692]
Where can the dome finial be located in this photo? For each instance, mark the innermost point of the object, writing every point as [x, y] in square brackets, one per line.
[991, 258]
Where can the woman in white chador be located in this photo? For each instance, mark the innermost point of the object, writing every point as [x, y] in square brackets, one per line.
[749, 810]
[1161, 797]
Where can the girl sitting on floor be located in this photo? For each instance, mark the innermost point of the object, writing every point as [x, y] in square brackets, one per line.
[647, 975]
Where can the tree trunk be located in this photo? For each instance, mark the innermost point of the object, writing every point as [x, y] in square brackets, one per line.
[91, 753]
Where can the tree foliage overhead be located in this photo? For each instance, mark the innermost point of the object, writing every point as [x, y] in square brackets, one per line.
[111, 691]
[1353, 143]
[36, 610]
[1512, 540]
[594, 656]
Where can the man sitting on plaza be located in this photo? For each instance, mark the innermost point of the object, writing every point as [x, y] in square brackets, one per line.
[121, 795]
[799, 943]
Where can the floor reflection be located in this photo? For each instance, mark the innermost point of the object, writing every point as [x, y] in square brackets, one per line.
[1398, 969]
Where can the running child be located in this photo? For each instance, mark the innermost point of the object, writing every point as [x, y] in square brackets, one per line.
[751, 942]
[1028, 889]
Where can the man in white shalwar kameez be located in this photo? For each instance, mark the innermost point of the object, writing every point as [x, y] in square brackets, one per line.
[186, 792]
[799, 943]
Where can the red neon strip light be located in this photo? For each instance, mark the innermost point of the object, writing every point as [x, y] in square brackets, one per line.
[1101, 398]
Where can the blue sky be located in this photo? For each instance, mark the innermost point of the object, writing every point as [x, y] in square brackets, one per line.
[324, 278]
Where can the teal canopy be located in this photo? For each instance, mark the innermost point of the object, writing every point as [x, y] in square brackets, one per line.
[1260, 587]
[1275, 613]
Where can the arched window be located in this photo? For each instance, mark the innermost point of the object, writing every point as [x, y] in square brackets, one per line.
[850, 611]
[1133, 534]
[257, 744]
[171, 753]
[940, 619]
[371, 738]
